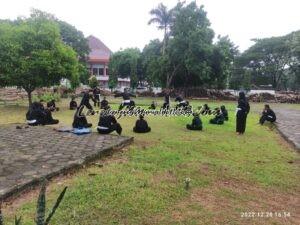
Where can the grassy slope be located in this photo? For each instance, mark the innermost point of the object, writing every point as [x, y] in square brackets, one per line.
[144, 184]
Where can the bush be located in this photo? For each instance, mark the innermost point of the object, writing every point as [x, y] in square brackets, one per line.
[47, 97]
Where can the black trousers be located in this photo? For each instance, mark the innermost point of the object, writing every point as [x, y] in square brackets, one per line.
[148, 129]
[241, 119]
[115, 127]
[191, 127]
[96, 100]
[266, 118]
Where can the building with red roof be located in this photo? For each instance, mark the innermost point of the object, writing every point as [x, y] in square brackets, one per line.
[98, 60]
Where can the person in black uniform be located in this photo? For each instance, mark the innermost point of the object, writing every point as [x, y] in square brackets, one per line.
[196, 123]
[108, 123]
[141, 126]
[243, 109]
[73, 104]
[267, 115]
[224, 112]
[166, 104]
[152, 106]
[52, 106]
[103, 103]
[219, 117]
[181, 103]
[126, 100]
[96, 96]
[38, 115]
[80, 120]
[205, 110]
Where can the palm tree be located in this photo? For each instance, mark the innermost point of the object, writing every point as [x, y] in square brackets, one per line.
[163, 18]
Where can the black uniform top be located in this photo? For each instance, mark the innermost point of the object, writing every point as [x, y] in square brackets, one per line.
[196, 121]
[51, 104]
[104, 103]
[243, 106]
[36, 112]
[269, 113]
[167, 98]
[96, 92]
[86, 101]
[225, 113]
[125, 96]
[106, 120]
[73, 104]
[178, 99]
[141, 125]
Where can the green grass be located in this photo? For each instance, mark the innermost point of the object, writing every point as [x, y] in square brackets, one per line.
[145, 183]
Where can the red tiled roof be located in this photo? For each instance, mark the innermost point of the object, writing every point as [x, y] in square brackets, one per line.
[99, 51]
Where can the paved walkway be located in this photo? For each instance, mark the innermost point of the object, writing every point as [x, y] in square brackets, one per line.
[288, 124]
[27, 155]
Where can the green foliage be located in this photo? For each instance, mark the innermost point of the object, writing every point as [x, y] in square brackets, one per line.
[273, 61]
[41, 208]
[93, 82]
[47, 97]
[34, 54]
[126, 63]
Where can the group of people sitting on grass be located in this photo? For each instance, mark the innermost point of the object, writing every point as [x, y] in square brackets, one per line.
[221, 115]
[40, 115]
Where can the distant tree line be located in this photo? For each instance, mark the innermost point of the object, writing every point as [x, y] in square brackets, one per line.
[274, 61]
[188, 57]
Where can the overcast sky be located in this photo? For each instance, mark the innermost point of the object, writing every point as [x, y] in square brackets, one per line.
[123, 23]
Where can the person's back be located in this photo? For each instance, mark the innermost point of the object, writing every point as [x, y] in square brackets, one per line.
[219, 118]
[196, 123]
[108, 123]
[103, 103]
[73, 104]
[141, 126]
[224, 112]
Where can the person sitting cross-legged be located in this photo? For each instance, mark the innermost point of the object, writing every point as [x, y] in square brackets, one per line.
[73, 104]
[141, 126]
[224, 112]
[103, 103]
[219, 118]
[108, 123]
[196, 123]
[153, 105]
[38, 115]
[267, 115]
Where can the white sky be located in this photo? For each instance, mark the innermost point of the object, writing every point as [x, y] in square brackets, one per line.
[123, 23]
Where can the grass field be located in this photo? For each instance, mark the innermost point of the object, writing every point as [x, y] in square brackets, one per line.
[144, 183]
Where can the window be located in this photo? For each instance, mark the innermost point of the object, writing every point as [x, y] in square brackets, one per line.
[95, 71]
[101, 71]
[107, 72]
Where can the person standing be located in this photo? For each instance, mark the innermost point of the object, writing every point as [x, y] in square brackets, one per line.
[243, 109]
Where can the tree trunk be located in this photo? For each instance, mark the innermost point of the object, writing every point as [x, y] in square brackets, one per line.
[29, 94]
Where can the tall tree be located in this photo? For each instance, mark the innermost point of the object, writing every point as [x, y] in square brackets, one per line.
[36, 56]
[126, 63]
[163, 18]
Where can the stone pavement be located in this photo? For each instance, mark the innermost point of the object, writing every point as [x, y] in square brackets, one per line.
[27, 155]
[288, 124]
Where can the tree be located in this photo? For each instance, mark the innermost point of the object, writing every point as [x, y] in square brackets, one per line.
[151, 60]
[273, 60]
[126, 63]
[163, 18]
[35, 55]
[93, 82]
[71, 37]
[190, 47]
